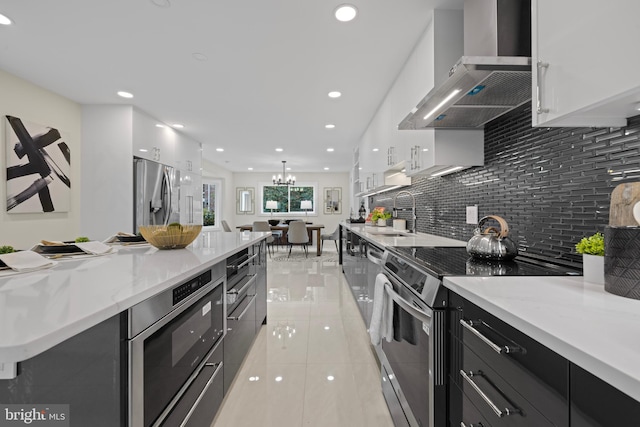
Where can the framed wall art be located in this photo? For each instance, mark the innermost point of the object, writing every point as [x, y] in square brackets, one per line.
[38, 168]
[332, 200]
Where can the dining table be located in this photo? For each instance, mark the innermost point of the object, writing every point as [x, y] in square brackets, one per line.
[284, 228]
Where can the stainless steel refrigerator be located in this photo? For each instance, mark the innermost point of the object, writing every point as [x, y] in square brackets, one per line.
[156, 193]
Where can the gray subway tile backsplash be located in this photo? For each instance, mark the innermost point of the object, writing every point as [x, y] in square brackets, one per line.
[552, 185]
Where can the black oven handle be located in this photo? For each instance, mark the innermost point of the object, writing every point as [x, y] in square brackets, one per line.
[204, 390]
[249, 282]
[241, 315]
[421, 315]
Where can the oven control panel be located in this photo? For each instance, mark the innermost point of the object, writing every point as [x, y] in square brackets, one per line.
[187, 288]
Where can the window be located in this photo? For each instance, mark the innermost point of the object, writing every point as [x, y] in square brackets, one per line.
[288, 198]
[211, 202]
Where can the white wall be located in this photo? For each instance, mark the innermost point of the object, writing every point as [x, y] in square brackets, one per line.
[107, 193]
[34, 104]
[211, 170]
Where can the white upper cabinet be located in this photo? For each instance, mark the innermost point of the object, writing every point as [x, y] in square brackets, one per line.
[585, 68]
[188, 154]
[152, 142]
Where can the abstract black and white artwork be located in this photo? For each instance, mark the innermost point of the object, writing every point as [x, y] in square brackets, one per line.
[38, 164]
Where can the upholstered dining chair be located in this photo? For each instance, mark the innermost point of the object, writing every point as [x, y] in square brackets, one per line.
[225, 226]
[335, 236]
[264, 226]
[297, 235]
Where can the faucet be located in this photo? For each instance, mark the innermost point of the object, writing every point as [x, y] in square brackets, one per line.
[413, 209]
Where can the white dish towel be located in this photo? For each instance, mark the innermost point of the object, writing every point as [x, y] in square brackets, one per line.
[382, 314]
[24, 261]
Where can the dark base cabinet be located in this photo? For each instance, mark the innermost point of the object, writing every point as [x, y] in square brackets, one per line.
[594, 403]
[85, 372]
[509, 378]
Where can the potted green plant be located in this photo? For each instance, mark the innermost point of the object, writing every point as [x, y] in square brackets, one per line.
[592, 250]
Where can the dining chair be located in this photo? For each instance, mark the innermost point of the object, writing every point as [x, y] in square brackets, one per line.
[225, 226]
[264, 226]
[297, 235]
[335, 236]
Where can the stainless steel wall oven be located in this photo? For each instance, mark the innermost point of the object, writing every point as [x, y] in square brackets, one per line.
[175, 353]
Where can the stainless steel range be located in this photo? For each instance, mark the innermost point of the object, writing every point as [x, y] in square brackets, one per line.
[414, 376]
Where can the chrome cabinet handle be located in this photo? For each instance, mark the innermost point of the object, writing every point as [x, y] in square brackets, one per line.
[488, 401]
[249, 282]
[495, 347]
[203, 392]
[539, 108]
[243, 311]
[462, 424]
[246, 262]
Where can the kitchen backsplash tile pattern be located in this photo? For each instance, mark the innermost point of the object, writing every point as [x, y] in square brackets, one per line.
[552, 185]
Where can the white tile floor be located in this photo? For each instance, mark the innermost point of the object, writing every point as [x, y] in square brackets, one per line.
[311, 364]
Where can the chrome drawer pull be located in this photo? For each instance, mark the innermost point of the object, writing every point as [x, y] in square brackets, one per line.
[484, 397]
[243, 311]
[462, 424]
[495, 347]
[246, 285]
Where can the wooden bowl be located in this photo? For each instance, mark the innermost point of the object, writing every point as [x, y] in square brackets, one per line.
[174, 236]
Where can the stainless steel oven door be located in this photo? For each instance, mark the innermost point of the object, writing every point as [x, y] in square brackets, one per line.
[414, 359]
[165, 356]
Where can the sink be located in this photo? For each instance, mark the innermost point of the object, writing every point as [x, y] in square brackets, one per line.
[378, 233]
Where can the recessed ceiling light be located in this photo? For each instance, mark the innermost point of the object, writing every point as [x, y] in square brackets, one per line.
[425, 149]
[279, 149]
[220, 150]
[326, 168]
[278, 378]
[330, 126]
[638, 106]
[158, 125]
[200, 56]
[161, 3]
[334, 94]
[375, 149]
[4, 20]
[177, 125]
[125, 94]
[345, 12]
[143, 150]
[330, 378]
[330, 150]
[250, 169]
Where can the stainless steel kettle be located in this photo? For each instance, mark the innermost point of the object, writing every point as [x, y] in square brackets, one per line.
[492, 243]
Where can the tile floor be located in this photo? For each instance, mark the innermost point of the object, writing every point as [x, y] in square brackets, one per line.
[311, 364]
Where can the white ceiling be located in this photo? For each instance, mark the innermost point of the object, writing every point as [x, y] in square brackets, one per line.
[264, 85]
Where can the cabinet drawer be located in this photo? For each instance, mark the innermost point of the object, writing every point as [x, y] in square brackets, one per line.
[539, 374]
[471, 416]
[496, 400]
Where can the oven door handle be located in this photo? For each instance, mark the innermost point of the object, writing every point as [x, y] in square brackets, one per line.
[241, 315]
[251, 258]
[249, 282]
[421, 315]
[202, 393]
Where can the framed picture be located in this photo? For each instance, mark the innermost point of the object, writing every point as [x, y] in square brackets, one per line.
[38, 167]
[332, 200]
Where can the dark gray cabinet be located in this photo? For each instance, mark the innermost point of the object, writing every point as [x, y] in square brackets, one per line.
[261, 284]
[510, 379]
[594, 403]
[490, 361]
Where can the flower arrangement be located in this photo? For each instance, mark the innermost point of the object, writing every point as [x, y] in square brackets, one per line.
[379, 213]
[592, 245]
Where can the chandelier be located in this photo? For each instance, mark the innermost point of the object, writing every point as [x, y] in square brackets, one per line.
[291, 180]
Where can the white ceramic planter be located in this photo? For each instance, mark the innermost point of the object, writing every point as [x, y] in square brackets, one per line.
[382, 222]
[593, 268]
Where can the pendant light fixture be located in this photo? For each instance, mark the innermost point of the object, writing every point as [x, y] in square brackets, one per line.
[290, 180]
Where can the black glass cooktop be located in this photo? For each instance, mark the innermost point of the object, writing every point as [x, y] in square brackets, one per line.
[455, 261]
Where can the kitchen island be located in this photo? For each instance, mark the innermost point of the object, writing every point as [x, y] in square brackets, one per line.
[70, 317]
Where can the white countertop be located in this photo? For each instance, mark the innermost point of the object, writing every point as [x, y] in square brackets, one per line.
[384, 236]
[41, 309]
[594, 329]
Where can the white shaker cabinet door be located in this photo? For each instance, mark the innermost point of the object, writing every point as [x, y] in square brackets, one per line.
[585, 62]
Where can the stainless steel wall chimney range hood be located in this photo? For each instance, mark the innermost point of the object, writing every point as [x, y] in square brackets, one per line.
[492, 78]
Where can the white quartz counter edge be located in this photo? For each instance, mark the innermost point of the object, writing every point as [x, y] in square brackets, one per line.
[594, 329]
[41, 309]
[377, 235]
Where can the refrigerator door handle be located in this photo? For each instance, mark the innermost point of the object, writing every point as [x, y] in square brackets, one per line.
[167, 202]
